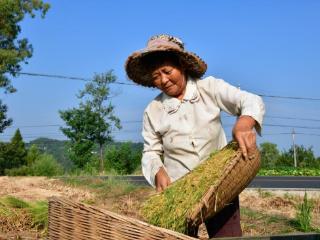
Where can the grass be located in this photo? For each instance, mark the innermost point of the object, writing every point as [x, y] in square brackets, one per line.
[17, 214]
[104, 188]
[259, 223]
[303, 216]
[171, 208]
[264, 194]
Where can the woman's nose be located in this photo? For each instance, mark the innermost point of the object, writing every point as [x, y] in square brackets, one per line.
[164, 79]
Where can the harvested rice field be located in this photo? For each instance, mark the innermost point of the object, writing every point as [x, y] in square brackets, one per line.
[23, 213]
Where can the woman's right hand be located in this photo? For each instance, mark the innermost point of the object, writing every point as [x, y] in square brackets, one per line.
[162, 180]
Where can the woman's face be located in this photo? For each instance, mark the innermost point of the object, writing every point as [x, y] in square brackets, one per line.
[170, 79]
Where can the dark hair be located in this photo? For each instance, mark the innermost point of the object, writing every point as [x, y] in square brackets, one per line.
[156, 59]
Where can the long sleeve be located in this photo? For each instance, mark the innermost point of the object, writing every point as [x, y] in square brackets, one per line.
[237, 102]
[152, 150]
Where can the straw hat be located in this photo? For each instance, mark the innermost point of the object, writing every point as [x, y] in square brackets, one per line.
[136, 70]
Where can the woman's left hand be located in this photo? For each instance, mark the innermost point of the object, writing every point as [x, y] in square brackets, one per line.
[245, 135]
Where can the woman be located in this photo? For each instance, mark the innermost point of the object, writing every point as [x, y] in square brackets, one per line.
[182, 125]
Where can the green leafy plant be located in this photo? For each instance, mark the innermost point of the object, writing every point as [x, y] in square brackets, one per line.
[289, 171]
[46, 165]
[303, 216]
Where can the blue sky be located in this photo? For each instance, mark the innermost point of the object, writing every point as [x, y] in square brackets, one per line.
[266, 47]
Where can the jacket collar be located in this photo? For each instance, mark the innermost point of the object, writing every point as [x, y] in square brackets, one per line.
[172, 104]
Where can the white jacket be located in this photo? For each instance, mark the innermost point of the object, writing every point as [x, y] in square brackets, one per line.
[179, 134]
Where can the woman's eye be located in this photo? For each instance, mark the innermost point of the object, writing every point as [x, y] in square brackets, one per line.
[155, 78]
[168, 71]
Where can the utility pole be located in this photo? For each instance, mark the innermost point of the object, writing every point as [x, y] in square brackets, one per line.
[294, 149]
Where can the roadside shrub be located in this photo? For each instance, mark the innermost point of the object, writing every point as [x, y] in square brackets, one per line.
[123, 159]
[20, 171]
[289, 171]
[303, 215]
[46, 165]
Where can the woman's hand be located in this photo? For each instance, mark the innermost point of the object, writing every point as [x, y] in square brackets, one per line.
[162, 180]
[245, 135]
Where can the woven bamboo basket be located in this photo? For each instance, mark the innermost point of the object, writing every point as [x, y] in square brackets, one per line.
[236, 176]
[69, 220]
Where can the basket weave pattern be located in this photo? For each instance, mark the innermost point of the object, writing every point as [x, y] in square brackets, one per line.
[69, 220]
[235, 178]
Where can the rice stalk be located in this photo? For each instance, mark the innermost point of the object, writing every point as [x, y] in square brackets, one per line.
[170, 208]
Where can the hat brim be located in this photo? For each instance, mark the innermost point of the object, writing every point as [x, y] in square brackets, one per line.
[194, 65]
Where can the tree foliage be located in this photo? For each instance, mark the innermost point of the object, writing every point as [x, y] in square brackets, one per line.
[80, 130]
[13, 51]
[123, 158]
[33, 154]
[4, 121]
[272, 158]
[57, 148]
[13, 154]
[269, 154]
[305, 157]
[93, 121]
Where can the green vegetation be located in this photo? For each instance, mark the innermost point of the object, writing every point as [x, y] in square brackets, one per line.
[271, 158]
[18, 214]
[124, 159]
[56, 148]
[265, 224]
[37, 164]
[14, 51]
[92, 122]
[289, 171]
[264, 194]
[303, 216]
[12, 154]
[46, 165]
[170, 208]
[104, 188]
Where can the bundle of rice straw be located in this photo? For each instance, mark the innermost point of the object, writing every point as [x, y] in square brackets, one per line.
[203, 192]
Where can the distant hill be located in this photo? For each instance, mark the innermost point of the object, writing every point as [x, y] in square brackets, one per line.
[58, 148]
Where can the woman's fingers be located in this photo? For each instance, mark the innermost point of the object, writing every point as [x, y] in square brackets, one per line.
[247, 142]
[162, 180]
[162, 185]
[240, 139]
[250, 142]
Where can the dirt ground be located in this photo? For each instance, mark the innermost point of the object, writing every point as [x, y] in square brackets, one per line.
[276, 202]
[40, 188]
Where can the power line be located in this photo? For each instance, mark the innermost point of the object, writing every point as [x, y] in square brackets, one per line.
[278, 117]
[293, 118]
[279, 125]
[69, 78]
[225, 125]
[291, 126]
[290, 133]
[59, 125]
[140, 121]
[133, 84]
[289, 97]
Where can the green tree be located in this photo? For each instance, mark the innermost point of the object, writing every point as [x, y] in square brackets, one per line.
[269, 154]
[13, 154]
[17, 150]
[57, 148]
[305, 157]
[3, 157]
[4, 121]
[81, 124]
[13, 51]
[123, 158]
[94, 120]
[32, 155]
[46, 165]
